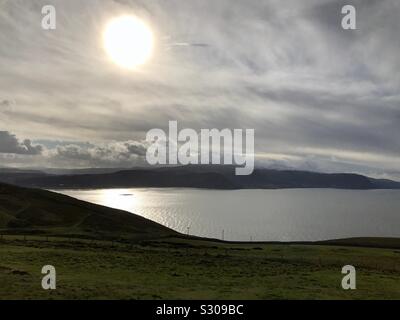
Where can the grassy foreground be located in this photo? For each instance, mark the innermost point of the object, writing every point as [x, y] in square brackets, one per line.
[193, 269]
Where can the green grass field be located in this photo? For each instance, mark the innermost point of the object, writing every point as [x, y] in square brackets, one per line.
[191, 269]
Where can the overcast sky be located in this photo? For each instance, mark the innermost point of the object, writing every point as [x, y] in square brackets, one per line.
[319, 97]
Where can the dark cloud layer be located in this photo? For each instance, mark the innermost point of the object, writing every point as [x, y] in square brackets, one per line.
[10, 144]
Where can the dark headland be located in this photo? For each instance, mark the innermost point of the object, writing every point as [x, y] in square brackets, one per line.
[208, 177]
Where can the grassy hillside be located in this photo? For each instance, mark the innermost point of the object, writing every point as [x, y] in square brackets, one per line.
[190, 269]
[31, 211]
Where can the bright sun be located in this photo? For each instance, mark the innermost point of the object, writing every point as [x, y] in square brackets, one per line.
[128, 41]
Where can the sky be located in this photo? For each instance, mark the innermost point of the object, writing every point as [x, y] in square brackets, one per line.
[320, 98]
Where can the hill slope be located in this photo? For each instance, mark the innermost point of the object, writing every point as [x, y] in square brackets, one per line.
[33, 211]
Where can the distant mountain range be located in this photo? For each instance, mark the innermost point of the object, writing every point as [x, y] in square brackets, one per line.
[209, 177]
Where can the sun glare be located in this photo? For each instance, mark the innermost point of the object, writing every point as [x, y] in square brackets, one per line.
[128, 41]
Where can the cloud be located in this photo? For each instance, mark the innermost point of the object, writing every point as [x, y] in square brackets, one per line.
[312, 91]
[188, 44]
[6, 106]
[5, 103]
[10, 144]
[135, 148]
[112, 154]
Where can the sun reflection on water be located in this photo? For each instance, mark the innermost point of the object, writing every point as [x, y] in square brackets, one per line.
[122, 199]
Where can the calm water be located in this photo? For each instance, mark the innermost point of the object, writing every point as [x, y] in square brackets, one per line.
[296, 214]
